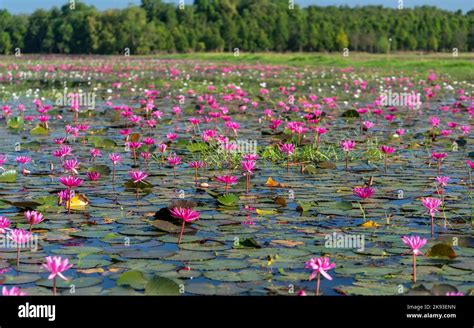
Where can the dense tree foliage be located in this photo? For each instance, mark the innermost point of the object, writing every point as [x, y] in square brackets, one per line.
[223, 25]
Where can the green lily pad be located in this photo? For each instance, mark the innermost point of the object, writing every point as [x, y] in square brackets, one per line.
[135, 279]
[228, 199]
[159, 286]
[210, 289]
[240, 276]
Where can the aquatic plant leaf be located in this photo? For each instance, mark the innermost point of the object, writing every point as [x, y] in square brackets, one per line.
[441, 250]
[160, 286]
[134, 278]
[228, 199]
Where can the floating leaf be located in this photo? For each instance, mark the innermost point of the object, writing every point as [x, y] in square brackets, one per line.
[304, 206]
[78, 202]
[280, 201]
[250, 243]
[343, 205]
[228, 199]
[159, 286]
[16, 123]
[350, 113]
[8, 176]
[39, 131]
[142, 185]
[134, 278]
[287, 243]
[441, 250]
[265, 212]
[369, 224]
[272, 183]
[202, 288]
[104, 170]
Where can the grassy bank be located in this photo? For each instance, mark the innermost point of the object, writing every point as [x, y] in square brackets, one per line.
[461, 67]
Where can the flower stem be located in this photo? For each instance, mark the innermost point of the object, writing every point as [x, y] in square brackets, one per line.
[414, 267]
[432, 226]
[181, 233]
[318, 283]
[18, 257]
[362, 210]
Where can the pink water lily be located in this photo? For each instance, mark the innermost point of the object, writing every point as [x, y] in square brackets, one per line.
[319, 266]
[137, 176]
[174, 161]
[439, 157]
[4, 224]
[70, 182]
[20, 237]
[14, 291]
[93, 175]
[347, 146]
[196, 165]
[364, 192]
[432, 205]
[56, 265]
[288, 149]
[71, 166]
[415, 243]
[470, 164]
[115, 159]
[22, 160]
[33, 217]
[248, 167]
[227, 180]
[187, 215]
[386, 150]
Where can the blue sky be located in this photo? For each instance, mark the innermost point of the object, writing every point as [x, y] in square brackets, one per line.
[28, 6]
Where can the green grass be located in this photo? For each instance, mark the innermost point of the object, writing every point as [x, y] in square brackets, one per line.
[411, 64]
[461, 67]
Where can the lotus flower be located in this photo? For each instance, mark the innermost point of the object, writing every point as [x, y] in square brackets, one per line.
[14, 291]
[415, 243]
[319, 266]
[20, 237]
[347, 146]
[137, 176]
[56, 265]
[288, 149]
[386, 150]
[432, 205]
[185, 214]
[33, 217]
[196, 166]
[439, 157]
[4, 224]
[227, 180]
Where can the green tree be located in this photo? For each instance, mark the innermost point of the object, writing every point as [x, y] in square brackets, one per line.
[342, 41]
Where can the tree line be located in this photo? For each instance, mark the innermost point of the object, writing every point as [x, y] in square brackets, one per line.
[224, 25]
